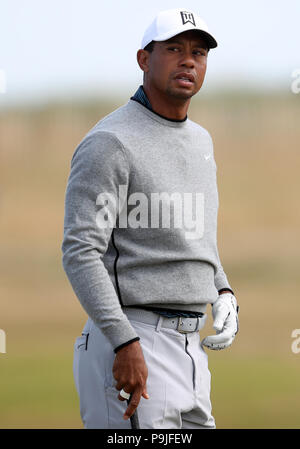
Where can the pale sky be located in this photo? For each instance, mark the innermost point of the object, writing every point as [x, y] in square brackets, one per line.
[53, 48]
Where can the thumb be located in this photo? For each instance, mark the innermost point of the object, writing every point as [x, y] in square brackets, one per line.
[145, 394]
[220, 317]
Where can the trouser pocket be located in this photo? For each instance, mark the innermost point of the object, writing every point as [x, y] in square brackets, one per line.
[81, 343]
[80, 347]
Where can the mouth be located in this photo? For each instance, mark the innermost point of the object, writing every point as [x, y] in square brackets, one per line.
[185, 79]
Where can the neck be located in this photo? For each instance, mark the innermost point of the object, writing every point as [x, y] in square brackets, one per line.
[165, 105]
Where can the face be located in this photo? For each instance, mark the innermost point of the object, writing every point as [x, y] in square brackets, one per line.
[177, 67]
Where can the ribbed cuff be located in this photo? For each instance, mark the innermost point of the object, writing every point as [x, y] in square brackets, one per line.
[126, 344]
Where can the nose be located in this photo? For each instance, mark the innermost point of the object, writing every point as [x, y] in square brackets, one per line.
[187, 59]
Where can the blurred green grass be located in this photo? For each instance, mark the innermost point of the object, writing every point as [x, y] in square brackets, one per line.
[255, 392]
[256, 141]
[37, 391]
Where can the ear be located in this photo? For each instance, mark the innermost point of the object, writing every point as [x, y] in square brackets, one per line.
[142, 57]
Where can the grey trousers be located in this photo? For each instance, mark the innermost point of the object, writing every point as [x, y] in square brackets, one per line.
[178, 380]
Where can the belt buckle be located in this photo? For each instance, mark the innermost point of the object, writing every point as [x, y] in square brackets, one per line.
[180, 322]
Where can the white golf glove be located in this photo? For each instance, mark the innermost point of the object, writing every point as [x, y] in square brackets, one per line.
[226, 323]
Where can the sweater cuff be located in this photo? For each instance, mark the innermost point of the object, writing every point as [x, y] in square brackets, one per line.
[120, 333]
[126, 344]
[224, 289]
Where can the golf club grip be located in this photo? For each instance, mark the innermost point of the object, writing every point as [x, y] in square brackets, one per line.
[134, 418]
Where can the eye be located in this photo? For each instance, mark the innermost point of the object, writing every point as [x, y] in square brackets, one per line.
[200, 52]
[173, 48]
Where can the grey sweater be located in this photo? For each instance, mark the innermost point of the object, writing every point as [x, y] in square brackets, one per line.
[141, 219]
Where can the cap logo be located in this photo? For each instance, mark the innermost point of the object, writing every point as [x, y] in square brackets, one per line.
[187, 17]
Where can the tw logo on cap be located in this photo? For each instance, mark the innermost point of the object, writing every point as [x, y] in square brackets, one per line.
[187, 17]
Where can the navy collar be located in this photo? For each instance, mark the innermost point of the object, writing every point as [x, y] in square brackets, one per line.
[141, 97]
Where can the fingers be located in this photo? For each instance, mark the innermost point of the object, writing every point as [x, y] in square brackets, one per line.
[122, 395]
[145, 395]
[130, 372]
[223, 339]
[229, 325]
[216, 345]
[134, 401]
[216, 339]
[225, 323]
[220, 317]
[133, 404]
[122, 398]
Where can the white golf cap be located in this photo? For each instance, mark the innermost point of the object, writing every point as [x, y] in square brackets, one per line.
[175, 21]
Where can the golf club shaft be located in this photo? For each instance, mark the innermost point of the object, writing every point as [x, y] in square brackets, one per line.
[134, 419]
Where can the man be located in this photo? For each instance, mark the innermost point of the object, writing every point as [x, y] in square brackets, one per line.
[143, 268]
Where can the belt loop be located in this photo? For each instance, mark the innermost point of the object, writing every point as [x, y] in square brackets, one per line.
[159, 323]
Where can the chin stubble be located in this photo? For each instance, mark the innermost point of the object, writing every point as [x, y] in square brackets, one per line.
[179, 95]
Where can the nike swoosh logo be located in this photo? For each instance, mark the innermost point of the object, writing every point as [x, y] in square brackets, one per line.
[207, 156]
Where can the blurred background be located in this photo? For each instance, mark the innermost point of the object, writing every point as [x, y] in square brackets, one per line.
[66, 64]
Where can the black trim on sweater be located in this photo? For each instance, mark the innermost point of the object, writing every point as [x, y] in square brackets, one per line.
[225, 289]
[126, 344]
[115, 267]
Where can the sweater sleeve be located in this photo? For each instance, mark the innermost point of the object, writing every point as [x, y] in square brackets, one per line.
[221, 281]
[98, 165]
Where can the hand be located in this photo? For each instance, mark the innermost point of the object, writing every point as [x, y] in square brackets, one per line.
[226, 324]
[131, 372]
